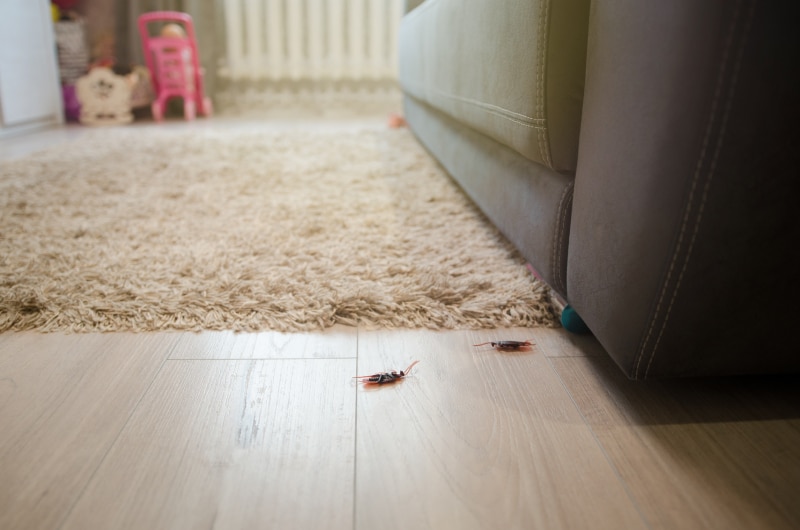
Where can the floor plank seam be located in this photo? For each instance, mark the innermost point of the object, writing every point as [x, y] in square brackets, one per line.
[263, 359]
[355, 438]
[613, 467]
[111, 446]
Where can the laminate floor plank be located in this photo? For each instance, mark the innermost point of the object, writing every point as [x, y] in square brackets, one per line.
[63, 401]
[697, 453]
[232, 444]
[558, 342]
[338, 342]
[474, 438]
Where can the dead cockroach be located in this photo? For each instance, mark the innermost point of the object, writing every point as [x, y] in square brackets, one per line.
[509, 345]
[385, 377]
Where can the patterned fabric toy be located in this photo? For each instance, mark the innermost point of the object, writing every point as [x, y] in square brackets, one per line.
[105, 97]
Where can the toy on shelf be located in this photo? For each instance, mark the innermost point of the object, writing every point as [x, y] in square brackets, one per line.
[172, 59]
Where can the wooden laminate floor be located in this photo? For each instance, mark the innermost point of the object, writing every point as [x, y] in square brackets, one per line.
[269, 430]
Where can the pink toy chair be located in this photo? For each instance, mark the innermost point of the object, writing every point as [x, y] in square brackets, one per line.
[174, 65]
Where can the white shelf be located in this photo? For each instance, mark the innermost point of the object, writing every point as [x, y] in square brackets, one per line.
[30, 92]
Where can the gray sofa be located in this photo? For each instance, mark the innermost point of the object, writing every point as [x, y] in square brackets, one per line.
[641, 155]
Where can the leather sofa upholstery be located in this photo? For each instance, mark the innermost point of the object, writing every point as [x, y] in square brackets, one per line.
[642, 156]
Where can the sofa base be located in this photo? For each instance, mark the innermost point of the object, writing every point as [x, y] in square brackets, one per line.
[529, 203]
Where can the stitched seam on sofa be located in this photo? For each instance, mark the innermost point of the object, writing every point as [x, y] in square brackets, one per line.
[514, 120]
[539, 73]
[541, 52]
[555, 262]
[518, 122]
[501, 112]
[717, 148]
[510, 114]
[561, 236]
[688, 212]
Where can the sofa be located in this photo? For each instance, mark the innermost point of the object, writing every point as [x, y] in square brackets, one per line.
[642, 156]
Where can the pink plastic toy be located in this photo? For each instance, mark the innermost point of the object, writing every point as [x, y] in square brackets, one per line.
[173, 62]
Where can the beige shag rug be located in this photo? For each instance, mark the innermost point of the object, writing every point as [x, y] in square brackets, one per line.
[142, 229]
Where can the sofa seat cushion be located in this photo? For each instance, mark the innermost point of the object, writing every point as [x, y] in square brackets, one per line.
[513, 72]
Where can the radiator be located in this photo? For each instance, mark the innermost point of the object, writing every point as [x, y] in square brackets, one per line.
[311, 40]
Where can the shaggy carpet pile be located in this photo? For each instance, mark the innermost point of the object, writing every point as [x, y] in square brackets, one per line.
[142, 229]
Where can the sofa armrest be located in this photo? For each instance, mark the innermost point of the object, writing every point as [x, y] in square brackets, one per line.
[683, 253]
